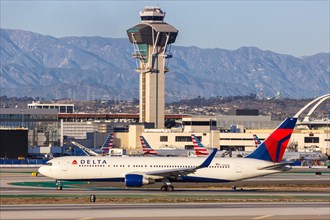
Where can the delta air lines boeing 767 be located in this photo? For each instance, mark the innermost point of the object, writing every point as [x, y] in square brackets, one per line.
[139, 171]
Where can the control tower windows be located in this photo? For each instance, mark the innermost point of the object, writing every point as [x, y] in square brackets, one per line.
[152, 18]
[143, 48]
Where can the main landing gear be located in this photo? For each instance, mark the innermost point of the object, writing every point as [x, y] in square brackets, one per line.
[235, 188]
[59, 185]
[167, 186]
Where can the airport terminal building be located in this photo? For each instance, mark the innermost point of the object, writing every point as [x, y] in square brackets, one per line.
[42, 127]
[46, 128]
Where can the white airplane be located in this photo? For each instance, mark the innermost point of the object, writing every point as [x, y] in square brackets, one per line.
[139, 171]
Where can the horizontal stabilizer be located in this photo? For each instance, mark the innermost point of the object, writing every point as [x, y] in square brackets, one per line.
[279, 166]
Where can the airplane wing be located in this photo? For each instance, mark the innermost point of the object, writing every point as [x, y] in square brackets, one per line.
[86, 150]
[177, 173]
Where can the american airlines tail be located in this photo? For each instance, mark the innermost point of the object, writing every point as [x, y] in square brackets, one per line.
[146, 147]
[200, 150]
[107, 144]
[272, 149]
[256, 140]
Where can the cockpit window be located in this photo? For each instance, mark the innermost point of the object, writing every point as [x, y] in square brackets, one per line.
[49, 164]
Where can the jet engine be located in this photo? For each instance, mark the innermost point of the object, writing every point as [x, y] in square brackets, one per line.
[137, 180]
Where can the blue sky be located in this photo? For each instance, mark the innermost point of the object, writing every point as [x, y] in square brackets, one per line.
[297, 28]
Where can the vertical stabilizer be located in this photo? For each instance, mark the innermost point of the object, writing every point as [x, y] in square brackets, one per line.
[200, 150]
[272, 149]
[107, 144]
[256, 140]
[146, 147]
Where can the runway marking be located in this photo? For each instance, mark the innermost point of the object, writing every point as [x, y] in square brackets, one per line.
[263, 216]
[85, 218]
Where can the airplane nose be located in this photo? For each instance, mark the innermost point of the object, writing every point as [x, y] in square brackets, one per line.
[42, 170]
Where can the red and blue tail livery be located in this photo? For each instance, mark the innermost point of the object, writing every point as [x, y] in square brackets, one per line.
[200, 150]
[272, 149]
[107, 144]
[146, 147]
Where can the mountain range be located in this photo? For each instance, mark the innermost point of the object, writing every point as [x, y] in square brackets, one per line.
[97, 67]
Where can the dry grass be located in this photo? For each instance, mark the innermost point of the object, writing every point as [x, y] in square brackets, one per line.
[15, 201]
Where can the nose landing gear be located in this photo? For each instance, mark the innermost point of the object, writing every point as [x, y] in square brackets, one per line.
[59, 185]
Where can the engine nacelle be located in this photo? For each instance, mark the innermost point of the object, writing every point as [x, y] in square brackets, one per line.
[136, 180]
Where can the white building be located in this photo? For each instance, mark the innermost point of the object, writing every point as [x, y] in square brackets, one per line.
[62, 108]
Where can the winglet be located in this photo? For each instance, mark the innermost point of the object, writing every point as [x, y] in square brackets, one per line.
[208, 160]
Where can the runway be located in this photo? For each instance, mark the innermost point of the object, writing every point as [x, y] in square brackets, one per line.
[169, 211]
[295, 195]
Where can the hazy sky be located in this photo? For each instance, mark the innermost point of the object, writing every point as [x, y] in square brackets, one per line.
[289, 27]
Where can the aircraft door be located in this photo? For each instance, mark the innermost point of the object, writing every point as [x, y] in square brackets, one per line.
[238, 168]
[64, 166]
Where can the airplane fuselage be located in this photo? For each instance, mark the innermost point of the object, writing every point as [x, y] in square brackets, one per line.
[116, 168]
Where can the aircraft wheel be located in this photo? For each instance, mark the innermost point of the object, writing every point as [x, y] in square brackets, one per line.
[164, 188]
[233, 187]
[170, 188]
[59, 187]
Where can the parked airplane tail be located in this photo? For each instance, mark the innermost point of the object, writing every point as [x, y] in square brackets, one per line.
[146, 147]
[107, 144]
[272, 149]
[200, 150]
[256, 140]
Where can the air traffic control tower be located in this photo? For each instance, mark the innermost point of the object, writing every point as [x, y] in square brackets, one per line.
[151, 39]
